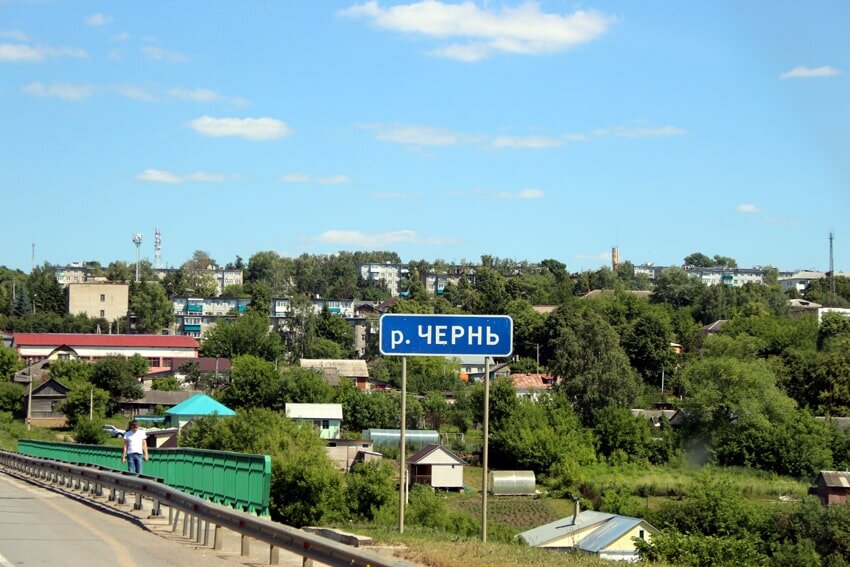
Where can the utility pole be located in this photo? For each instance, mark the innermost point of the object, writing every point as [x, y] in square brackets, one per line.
[29, 395]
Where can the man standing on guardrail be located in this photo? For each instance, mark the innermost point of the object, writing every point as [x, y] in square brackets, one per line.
[135, 448]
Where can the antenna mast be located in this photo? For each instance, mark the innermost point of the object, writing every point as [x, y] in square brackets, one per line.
[831, 266]
[157, 248]
[137, 240]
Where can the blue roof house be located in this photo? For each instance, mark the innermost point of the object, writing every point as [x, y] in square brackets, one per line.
[197, 405]
[608, 536]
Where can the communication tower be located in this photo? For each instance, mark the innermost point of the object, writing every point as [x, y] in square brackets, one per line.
[831, 266]
[137, 240]
[157, 248]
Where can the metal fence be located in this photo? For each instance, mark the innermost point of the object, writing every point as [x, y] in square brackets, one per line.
[239, 480]
[198, 515]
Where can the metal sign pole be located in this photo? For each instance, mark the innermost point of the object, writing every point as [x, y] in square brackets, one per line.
[484, 456]
[402, 466]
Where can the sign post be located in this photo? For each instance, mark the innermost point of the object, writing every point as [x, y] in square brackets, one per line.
[446, 335]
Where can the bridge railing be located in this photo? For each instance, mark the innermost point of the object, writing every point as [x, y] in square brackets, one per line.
[238, 480]
[198, 514]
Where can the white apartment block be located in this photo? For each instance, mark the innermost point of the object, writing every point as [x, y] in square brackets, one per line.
[801, 280]
[391, 274]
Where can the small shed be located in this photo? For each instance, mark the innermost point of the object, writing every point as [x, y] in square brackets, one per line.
[435, 466]
[512, 483]
[326, 418]
[197, 405]
[833, 487]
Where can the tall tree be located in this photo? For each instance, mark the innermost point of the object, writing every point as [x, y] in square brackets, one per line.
[594, 371]
[151, 307]
[247, 334]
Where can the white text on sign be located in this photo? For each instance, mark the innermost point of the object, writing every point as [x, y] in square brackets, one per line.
[449, 335]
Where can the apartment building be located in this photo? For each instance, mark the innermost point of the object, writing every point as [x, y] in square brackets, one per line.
[391, 274]
[193, 316]
[105, 300]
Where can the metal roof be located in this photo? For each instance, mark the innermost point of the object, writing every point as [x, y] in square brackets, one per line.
[836, 479]
[314, 411]
[94, 340]
[609, 528]
[200, 404]
[420, 455]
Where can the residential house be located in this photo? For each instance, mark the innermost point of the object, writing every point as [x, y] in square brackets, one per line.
[223, 277]
[75, 272]
[335, 369]
[46, 399]
[800, 280]
[325, 418]
[730, 277]
[159, 350]
[673, 417]
[435, 466]
[609, 536]
[833, 487]
[531, 386]
[154, 399]
[104, 300]
[197, 406]
[193, 316]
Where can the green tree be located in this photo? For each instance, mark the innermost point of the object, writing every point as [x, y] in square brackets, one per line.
[306, 489]
[151, 306]
[167, 384]
[647, 344]
[119, 376]
[336, 329]
[369, 487]
[11, 397]
[197, 275]
[80, 400]
[69, 372]
[247, 334]
[254, 382]
[594, 371]
[10, 362]
[675, 287]
[698, 260]
[45, 292]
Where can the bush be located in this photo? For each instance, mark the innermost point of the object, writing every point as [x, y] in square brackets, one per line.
[370, 487]
[11, 397]
[89, 432]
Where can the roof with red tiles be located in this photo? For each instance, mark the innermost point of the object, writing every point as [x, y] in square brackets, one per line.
[532, 381]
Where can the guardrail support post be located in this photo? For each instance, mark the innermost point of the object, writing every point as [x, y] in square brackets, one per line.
[186, 516]
[176, 519]
[138, 503]
[156, 510]
[246, 546]
[122, 497]
[198, 530]
[218, 538]
[207, 533]
[274, 555]
[306, 562]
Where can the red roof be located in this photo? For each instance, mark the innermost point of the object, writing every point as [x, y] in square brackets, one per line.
[81, 340]
[532, 381]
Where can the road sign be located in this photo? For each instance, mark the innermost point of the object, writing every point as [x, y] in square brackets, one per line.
[446, 335]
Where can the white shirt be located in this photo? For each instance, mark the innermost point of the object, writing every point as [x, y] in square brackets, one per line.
[134, 440]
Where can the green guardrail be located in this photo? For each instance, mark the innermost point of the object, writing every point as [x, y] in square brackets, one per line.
[239, 480]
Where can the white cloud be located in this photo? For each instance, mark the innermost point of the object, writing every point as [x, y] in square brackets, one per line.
[395, 195]
[810, 73]
[123, 36]
[196, 95]
[98, 20]
[159, 176]
[357, 239]
[746, 208]
[22, 53]
[532, 142]
[641, 131]
[416, 135]
[250, 128]
[65, 91]
[136, 92]
[295, 178]
[14, 34]
[525, 194]
[161, 54]
[305, 178]
[481, 31]
[334, 180]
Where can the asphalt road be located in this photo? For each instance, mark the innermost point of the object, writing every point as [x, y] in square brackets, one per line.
[39, 526]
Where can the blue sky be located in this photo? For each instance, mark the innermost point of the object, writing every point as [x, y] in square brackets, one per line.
[439, 130]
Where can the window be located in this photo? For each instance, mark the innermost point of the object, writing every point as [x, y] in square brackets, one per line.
[102, 313]
[326, 424]
[102, 297]
[641, 534]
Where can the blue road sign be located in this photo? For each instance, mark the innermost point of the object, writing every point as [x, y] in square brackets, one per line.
[441, 335]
